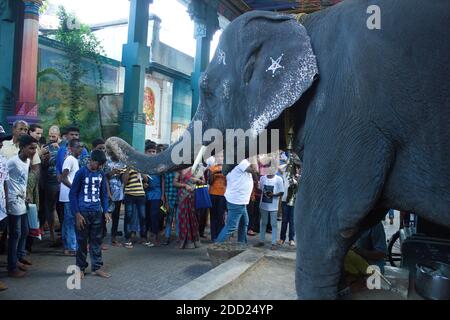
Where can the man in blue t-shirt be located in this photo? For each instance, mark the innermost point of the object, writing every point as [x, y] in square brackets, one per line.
[63, 152]
[89, 201]
[371, 245]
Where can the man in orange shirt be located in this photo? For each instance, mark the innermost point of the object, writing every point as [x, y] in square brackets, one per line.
[218, 184]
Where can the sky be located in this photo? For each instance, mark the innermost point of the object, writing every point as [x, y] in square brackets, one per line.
[177, 29]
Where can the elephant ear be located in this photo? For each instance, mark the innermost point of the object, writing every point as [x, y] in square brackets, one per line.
[279, 65]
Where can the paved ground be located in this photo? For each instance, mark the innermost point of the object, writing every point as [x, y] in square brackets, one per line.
[138, 273]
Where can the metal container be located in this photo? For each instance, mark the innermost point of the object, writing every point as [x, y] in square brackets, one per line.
[433, 280]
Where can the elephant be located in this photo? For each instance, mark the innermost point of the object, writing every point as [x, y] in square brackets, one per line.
[370, 108]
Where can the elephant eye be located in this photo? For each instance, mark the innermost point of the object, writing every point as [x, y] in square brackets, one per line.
[250, 65]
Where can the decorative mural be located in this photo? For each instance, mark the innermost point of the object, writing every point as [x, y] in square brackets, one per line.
[149, 106]
[53, 90]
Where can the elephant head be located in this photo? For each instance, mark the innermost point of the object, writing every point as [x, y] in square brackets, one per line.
[263, 64]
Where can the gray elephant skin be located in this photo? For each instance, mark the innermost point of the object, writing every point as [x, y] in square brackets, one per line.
[371, 112]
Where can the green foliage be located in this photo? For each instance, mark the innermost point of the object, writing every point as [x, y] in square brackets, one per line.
[80, 44]
[44, 7]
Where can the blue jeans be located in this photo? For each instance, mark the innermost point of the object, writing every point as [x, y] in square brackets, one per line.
[171, 215]
[391, 213]
[92, 233]
[18, 232]
[234, 222]
[288, 218]
[152, 217]
[263, 223]
[68, 229]
[134, 214]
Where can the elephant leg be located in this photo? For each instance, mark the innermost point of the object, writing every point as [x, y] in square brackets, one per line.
[320, 254]
[333, 205]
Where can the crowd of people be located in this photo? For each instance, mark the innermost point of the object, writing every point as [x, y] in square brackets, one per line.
[77, 193]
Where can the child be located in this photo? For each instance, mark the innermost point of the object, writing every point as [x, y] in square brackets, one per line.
[272, 189]
[69, 169]
[89, 201]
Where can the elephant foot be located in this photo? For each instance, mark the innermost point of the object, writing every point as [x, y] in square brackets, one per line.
[323, 287]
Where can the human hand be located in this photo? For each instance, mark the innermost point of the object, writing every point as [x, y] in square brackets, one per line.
[107, 217]
[80, 221]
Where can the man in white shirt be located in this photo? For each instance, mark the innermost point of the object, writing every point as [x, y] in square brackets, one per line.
[18, 168]
[237, 194]
[272, 188]
[11, 147]
[69, 169]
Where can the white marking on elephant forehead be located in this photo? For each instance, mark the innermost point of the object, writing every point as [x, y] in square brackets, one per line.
[221, 57]
[275, 65]
[226, 90]
[294, 83]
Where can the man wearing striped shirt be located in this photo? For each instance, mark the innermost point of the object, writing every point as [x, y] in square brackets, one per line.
[134, 205]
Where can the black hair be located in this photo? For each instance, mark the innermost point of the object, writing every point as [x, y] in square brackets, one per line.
[34, 126]
[97, 142]
[98, 156]
[149, 144]
[73, 129]
[74, 142]
[26, 140]
[64, 131]
[42, 140]
[162, 147]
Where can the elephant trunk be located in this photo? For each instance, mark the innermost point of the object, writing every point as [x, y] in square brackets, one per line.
[166, 161]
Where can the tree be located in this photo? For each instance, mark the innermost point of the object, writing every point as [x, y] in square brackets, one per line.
[80, 44]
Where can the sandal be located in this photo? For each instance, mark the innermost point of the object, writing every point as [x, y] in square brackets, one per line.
[116, 243]
[128, 245]
[251, 233]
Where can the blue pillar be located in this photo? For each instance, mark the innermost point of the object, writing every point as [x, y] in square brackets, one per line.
[135, 58]
[206, 23]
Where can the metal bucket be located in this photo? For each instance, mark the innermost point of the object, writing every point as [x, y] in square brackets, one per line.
[433, 280]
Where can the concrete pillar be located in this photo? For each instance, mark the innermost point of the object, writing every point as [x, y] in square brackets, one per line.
[135, 58]
[26, 105]
[206, 23]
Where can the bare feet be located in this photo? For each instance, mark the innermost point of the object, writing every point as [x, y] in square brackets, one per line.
[115, 243]
[21, 266]
[70, 253]
[102, 273]
[3, 286]
[17, 274]
[25, 261]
